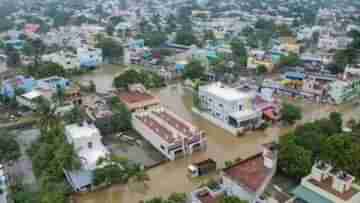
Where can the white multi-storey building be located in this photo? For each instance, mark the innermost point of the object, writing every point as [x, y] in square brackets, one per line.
[233, 108]
[87, 143]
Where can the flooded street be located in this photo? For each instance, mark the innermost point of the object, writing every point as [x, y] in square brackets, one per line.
[103, 77]
[222, 146]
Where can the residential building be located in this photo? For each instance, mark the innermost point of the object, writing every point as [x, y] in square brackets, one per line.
[230, 108]
[86, 140]
[89, 57]
[168, 133]
[344, 90]
[257, 58]
[327, 185]
[138, 99]
[248, 178]
[68, 60]
[46, 88]
[290, 45]
[9, 86]
[53, 83]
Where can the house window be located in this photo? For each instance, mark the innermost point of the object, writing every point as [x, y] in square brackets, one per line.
[221, 105]
[240, 107]
[90, 145]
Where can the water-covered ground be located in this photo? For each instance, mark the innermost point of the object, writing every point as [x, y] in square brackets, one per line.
[171, 176]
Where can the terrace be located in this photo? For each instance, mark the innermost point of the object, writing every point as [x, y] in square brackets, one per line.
[168, 133]
[177, 123]
[155, 126]
[250, 173]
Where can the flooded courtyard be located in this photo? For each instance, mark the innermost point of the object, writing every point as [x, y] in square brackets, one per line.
[222, 146]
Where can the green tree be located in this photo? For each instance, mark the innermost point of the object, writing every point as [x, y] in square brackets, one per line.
[154, 38]
[337, 150]
[119, 121]
[46, 70]
[23, 194]
[186, 37]
[9, 148]
[239, 51]
[290, 113]
[232, 199]
[112, 50]
[5, 24]
[131, 76]
[47, 115]
[117, 170]
[170, 24]
[177, 198]
[13, 57]
[294, 160]
[76, 115]
[337, 121]
[194, 70]
[290, 60]
[261, 69]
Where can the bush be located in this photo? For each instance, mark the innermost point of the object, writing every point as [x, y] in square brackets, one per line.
[290, 113]
[148, 79]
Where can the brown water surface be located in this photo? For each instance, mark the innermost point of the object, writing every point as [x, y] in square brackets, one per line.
[222, 146]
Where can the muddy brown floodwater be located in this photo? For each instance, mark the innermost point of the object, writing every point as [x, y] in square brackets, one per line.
[222, 146]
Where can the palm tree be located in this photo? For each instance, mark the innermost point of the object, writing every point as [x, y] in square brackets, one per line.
[47, 115]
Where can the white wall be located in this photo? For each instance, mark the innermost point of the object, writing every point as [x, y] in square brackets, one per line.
[150, 136]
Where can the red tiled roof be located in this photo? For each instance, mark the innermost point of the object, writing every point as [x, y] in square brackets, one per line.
[250, 172]
[134, 100]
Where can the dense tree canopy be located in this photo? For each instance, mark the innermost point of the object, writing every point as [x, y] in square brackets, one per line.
[232, 199]
[186, 37]
[323, 140]
[154, 38]
[290, 60]
[290, 113]
[9, 148]
[173, 198]
[46, 70]
[50, 155]
[119, 121]
[294, 160]
[112, 50]
[117, 170]
[131, 76]
[194, 70]
[239, 51]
